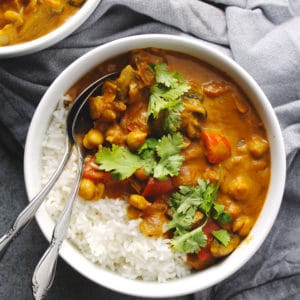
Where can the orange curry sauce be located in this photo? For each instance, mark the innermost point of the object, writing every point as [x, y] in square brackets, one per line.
[223, 116]
[23, 21]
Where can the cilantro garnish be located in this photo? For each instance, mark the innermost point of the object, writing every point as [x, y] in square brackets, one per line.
[159, 158]
[184, 204]
[222, 236]
[220, 215]
[189, 242]
[119, 161]
[187, 201]
[165, 95]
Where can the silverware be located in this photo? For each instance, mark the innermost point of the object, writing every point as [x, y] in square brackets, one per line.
[78, 123]
[25, 217]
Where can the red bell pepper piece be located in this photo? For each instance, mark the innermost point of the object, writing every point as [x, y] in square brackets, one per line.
[204, 253]
[217, 146]
[90, 172]
[156, 187]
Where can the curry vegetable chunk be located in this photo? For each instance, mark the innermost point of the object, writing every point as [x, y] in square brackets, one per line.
[26, 20]
[180, 142]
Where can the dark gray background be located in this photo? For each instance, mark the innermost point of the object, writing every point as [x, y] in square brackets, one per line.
[261, 35]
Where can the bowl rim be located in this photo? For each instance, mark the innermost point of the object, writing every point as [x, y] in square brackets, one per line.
[54, 36]
[199, 280]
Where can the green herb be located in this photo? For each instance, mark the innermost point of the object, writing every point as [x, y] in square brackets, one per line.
[187, 201]
[165, 95]
[169, 145]
[184, 204]
[220, 215]
[222, 236]
[159, 158]
[119, 161]
[190, 242]
[147, 153]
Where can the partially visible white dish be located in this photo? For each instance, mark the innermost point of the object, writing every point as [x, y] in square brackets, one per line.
[68, 27]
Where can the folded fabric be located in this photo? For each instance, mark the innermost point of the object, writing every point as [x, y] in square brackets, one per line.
[261, 35]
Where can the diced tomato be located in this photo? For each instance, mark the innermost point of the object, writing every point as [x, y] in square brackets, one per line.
[208, 228]
[217, 146]
[90, 172]
[204, 253]
[156, 187]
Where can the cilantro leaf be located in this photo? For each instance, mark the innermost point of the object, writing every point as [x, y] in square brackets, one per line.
[218, 210]
[171, 120]
[185, 203]
[190, 242]
[168, 166]
[209, 196]
[119, 160]
[222, 236]
[147, 153]
[149, 145]
[220, 215]
[169, 145]
[165, 95]
[161, 157]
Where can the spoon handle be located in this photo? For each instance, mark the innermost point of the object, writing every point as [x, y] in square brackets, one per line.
[44, 272]
[27, 214]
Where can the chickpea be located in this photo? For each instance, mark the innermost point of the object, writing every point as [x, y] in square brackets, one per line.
[14, 17]
[193, 151]
[219, 250]
[230, 206]
[93, 139]
[136, 139]
[109, 115]
[242, 225]
[138, 201]
[258, 146]
[100, 188]
[141, 174]
[56, 5]
[115, 135]
[239, 188]
[133, 213]
[87, 189]
[212, 175]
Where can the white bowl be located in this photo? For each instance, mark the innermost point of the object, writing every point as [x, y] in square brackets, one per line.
[58, 34]
[198, 280]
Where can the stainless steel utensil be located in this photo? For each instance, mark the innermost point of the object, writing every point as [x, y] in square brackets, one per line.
[78, 123]
[28, 213]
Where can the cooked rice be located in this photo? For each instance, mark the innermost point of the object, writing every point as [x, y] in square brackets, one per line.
[100, 229]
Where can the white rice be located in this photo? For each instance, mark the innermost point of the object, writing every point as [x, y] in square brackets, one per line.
[100, 229]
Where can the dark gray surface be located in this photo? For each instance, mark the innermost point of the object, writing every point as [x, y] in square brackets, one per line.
[261, 35]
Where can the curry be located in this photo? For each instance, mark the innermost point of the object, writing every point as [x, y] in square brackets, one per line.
[26, 20]
[179, 141]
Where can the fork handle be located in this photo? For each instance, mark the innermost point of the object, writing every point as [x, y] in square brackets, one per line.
[44, 272]
[29, 211]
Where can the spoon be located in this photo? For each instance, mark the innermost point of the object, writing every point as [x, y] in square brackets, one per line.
[26, 215]
[78, 123]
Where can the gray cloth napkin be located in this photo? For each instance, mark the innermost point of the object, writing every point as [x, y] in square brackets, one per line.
[261, 35]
